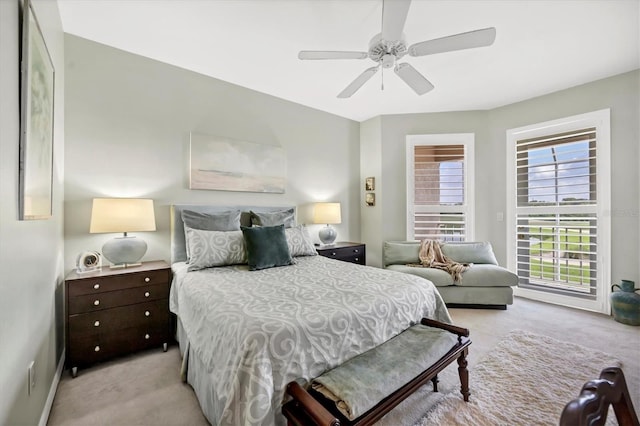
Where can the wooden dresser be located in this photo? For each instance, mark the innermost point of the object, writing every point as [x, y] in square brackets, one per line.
[114, 312]
[345, 251]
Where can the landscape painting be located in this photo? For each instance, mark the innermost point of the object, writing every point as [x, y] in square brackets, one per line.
[225, 164]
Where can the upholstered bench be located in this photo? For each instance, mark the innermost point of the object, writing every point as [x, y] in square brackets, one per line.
[363, 389]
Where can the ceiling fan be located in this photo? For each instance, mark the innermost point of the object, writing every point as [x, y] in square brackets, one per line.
[389, 46]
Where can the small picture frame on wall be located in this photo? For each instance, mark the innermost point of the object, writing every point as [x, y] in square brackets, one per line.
[370, 198]
[370, 184]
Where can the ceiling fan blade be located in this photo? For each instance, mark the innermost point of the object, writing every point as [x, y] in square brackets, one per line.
[413, 78]
[394, 15]
[328, 54]
[468, 40]
[358, 82]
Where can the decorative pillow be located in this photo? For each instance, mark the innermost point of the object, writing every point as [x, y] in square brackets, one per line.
[266, 247]
[299, 241]
[219, 221]
[470, 252]
[282, 217]
[401, 252]
[214, 248]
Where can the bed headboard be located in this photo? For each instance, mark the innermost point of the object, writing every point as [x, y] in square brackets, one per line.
[178, 245]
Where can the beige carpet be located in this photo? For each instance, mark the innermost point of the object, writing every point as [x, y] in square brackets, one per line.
[145, 388]
[526, 380]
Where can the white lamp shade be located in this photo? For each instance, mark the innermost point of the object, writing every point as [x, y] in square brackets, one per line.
[328, 213]
[122, 215]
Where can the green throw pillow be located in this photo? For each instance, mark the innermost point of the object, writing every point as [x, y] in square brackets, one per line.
[266, 247]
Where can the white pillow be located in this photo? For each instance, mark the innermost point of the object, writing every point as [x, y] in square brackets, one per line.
[299, 241]
[214, 248]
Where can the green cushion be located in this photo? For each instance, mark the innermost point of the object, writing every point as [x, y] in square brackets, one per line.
[401, 252]
[266, 247]
[472, 252]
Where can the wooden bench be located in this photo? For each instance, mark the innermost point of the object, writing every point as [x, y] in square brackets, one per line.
[309, 407]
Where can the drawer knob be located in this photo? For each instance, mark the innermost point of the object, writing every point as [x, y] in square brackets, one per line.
[146, 294]
[97, 349]
[96, 286]
[96, 302]
[147, 279]
[333, 253]
[147, 313]
[96, 324]
[356, 251]
[357, 259]
[146, 336]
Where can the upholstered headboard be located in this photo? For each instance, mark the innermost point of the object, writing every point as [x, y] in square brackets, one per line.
[178, 245]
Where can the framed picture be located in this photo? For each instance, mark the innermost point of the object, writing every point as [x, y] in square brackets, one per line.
[227, 164]
[370, 184]
[370, 198]
[36, 121]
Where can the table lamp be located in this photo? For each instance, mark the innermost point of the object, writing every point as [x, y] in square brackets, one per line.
[327, 213]
[123, 215]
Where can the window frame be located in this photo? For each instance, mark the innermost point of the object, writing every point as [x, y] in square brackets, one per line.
[467, 140]
[600, 120]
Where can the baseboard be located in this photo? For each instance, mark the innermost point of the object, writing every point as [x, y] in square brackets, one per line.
[44, 417]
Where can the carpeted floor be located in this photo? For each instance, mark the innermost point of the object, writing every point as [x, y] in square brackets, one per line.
[145, 388]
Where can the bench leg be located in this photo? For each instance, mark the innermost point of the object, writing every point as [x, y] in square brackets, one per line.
[435, 383]
[464, 375]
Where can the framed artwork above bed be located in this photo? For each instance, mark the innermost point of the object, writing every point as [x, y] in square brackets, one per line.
[226, 164]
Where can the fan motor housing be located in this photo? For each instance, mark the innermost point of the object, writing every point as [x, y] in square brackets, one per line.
[386, 52]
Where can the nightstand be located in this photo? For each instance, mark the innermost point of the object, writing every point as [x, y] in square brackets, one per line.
[113, 312]
[345, 251]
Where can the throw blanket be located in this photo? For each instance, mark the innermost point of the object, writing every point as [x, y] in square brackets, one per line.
[431, 256]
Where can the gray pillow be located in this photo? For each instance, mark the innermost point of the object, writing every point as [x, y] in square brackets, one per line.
[219, 221]
[215, 248]
[299, 241]
[401, 252]
[472, 252]
[282, 217]
[266, 247]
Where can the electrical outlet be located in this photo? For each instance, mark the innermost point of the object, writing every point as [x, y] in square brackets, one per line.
[31, 376]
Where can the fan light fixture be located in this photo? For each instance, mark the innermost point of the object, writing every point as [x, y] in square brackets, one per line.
[123, 215]
[329, 214]
[389, 46]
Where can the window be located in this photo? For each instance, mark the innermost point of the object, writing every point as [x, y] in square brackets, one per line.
[439, 196]
[557, 175]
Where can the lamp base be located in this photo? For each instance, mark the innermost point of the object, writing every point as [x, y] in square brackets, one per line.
[125, 251]
[327, 235]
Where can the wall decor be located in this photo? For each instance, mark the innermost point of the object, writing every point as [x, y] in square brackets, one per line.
[370, 198]
[36, 121]
[226, 164]
[370, 184]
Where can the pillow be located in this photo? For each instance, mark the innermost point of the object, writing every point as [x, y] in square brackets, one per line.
[282, 217]
[266, 247]
[214, 248]
[472, 252]
[401, 252]
[299, 241]
[219, 221]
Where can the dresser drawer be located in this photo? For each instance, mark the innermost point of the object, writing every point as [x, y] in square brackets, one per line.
[117, 282]
[150, 314]
[354, 254]
[111, 299]
[93, 348]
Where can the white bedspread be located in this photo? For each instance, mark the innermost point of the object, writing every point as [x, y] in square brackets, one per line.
[256, 331]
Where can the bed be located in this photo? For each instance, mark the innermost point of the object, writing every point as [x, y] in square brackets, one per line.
[244, 334]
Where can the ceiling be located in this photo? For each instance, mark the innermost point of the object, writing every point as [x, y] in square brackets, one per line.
[541, 46]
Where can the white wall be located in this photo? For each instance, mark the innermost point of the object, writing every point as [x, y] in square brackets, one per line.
[128, 124]
[371, 166]
[31, 252]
